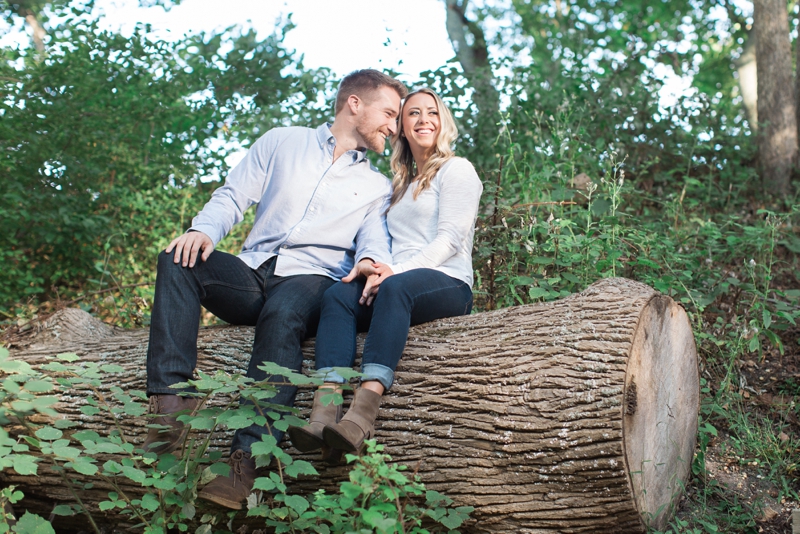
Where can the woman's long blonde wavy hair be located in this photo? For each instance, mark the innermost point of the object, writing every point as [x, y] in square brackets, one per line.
[402, 160]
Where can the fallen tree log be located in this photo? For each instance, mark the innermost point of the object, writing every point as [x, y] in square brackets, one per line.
[578, 415]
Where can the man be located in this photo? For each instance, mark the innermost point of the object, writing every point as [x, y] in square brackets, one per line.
[319, 216]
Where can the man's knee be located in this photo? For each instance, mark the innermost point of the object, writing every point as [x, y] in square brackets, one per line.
[282, 323]
[165, 262]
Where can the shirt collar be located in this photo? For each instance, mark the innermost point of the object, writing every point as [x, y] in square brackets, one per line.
[325, 138]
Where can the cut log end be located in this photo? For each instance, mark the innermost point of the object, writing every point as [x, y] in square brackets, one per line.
[661, 403]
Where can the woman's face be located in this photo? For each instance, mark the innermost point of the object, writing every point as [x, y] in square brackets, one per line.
[421, 122]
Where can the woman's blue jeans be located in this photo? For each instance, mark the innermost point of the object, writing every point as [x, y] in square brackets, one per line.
[284, 310]
[403, 300]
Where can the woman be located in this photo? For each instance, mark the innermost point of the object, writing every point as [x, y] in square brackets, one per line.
[431, 219]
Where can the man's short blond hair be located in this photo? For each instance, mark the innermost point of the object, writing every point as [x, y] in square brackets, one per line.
[363, 83]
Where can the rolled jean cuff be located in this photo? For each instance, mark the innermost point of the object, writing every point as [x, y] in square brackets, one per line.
[329, 375]
[381, 373]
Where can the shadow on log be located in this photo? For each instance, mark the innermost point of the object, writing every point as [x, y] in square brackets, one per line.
[578, 415]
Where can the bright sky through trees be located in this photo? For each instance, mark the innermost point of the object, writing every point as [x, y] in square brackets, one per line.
[409, 37]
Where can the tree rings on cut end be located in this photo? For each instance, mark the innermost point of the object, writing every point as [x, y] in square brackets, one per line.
[660, 409]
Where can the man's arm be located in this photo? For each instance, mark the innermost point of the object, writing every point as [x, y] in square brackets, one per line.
[372, 243]
[372, 239]
[244, 186]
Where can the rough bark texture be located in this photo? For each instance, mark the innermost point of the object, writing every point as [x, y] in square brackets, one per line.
[777, 146]
[572, 416]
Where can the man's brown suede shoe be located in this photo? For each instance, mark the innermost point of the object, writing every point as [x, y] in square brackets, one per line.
[168, 407]
[232, 491]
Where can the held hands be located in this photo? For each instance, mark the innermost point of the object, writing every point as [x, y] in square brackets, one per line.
[375, 274]
[188, 245]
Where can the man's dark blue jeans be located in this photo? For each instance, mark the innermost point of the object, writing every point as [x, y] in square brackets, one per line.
[405, 299]
[284, 309]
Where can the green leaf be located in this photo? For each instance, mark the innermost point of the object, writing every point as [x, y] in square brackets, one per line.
[537, 292]
[264, 484]
[202, 423]
[188, 511]
[236, 422]
[377, 521]
[32, 524]
[85, 435]
[297, 503]
[150, 502]
[300, 467]
[112, 368]
[63, 509]
[11, 386]
[38, 386]
[67, 453]
[133, 474]
[24, 464]
[84, 466]
[15, 366]
[68, 357]
[454, 519]
[106, 505]
[205, 384]
[134, 409]
[220, 469]
[48, 433]
[766, 317]
[267, 445]
[65, 423]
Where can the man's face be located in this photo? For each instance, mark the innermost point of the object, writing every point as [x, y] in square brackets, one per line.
[377, 119]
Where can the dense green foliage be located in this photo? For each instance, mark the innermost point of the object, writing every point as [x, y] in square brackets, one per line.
[589, 173]
[367, 502]
[104, 139]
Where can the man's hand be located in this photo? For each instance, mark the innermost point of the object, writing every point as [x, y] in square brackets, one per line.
[188, 245]
[375, 274]
[380, 272]
[362, 268]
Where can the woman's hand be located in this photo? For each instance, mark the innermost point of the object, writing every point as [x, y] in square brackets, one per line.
[380, 272]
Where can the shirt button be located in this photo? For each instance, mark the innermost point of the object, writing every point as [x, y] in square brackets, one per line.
[311, 210]
[285, 246]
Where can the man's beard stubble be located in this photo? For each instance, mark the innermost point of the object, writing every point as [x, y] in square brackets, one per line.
[375, 140]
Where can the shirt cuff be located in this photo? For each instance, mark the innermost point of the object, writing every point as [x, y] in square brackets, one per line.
[209, 230]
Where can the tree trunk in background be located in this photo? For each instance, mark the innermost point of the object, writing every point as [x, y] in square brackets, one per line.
[777, 138]
[748, 83]
[578, 415]
[474, 59]
[797, 84]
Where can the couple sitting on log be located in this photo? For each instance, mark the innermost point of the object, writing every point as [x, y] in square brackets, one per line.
[335, 248]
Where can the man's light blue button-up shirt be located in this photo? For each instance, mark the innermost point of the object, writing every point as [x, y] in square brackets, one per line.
[318, 216]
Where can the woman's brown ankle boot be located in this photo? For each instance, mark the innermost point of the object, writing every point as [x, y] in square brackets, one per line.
[358, 423]
[309, 438]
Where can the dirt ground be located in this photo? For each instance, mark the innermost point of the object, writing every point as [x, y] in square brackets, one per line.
[769, 386]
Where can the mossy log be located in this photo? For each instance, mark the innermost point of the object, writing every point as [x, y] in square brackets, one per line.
[578, 415]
